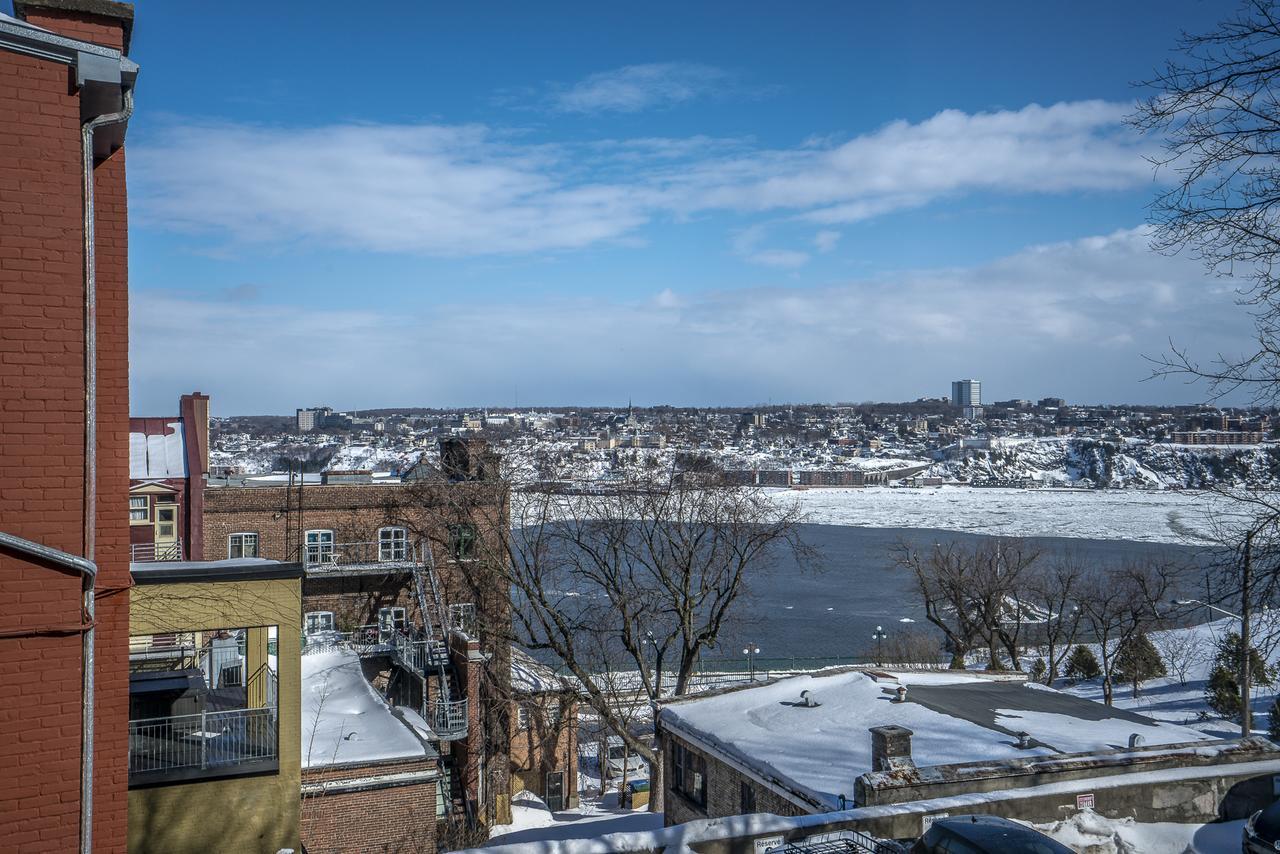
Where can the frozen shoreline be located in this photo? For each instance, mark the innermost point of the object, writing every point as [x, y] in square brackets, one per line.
[1133, 515]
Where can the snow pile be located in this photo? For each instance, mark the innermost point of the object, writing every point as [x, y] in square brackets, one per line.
[344, 719]
[373, 458]
[1087, 832]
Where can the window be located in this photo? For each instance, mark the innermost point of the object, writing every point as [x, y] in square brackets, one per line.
[166, 522]
[139, 509]
[319, 621]
[746, 798]
[689, 774]
[522, 718]
[462, 540]
[393, 544]
[553, 715]
[242, 545]
[392, 619]
[320, 548]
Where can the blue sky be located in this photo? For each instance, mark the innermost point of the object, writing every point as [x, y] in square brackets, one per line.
[716, 203]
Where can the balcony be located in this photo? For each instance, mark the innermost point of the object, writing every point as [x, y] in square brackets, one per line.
[357, 558]
[448, 719]
[150, 552]
[204, 745]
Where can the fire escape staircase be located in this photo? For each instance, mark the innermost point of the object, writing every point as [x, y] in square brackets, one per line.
[446, 715]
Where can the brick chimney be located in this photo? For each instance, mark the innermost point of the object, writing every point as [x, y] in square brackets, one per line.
[890, 748]
[103, 22]
[194, 410]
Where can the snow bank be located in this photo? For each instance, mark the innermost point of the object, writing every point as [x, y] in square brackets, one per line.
[1087, 832]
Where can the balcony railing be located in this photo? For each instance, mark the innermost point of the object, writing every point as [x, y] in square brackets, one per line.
[321, 556]
[448, 719]
[204, 744]
[150, 552]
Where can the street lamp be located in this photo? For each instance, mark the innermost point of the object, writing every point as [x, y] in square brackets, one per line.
[751, 651]
[1246, 680]
[1207, 605]
[879, 635]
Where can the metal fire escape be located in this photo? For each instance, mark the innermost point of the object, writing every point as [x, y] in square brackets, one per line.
[447, 716]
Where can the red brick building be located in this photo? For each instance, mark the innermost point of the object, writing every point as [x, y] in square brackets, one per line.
[65, 95]
[168, 464]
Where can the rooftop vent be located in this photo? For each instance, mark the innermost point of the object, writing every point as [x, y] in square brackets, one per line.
[890, 748]
[1024, 741]
[806, 700]
[901, 694]
[1136, 740]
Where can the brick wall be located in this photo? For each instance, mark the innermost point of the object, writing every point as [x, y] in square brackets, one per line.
[724, 791]
[543, 747]
[397, 819]
[41, 462]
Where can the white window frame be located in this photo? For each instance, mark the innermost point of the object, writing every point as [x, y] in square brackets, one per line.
[522, 717]
[231, 544]
[134, 507]
[329, 626]
[394, 617]
[320, 550]
[393, 543]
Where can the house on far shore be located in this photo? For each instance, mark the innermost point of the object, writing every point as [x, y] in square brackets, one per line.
[912, 745]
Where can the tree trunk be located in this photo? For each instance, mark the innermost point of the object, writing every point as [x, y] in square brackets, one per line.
[1106, 690]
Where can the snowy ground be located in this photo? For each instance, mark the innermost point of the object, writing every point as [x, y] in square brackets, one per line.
[1161, 517]
[595, 815]
[1176, 700]
[1089, 833]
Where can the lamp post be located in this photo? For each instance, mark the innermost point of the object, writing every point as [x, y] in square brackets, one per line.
[879, 635]
[751, 651]
[1246, 687]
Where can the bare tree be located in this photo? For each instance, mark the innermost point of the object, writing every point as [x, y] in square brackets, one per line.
[624, 583]
[1216, 109]
[973, 594]
[1119, 602]
[1052, 587]
[1182, 652]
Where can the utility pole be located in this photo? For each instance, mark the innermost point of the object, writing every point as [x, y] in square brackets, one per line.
[1246, 712]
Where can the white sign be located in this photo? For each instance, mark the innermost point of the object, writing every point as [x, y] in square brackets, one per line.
[1084, 802]
[926, 821]
[768, 843]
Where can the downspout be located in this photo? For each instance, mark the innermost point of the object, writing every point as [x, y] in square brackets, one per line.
[90, 461]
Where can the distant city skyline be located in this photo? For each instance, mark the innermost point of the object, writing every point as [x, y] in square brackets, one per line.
[708, 204]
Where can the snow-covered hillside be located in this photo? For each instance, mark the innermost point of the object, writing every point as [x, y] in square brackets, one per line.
[1132, 463]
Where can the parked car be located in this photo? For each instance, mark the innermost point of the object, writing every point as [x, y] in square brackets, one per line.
[984, 834]
[615, 759]
[1262, 831]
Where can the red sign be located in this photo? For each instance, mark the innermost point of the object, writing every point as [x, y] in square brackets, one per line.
[1084, 802]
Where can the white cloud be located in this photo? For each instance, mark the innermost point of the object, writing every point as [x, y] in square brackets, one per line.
[640, 87]
[471, 190]
[786, 258]
[826, 240]
[1071, 319]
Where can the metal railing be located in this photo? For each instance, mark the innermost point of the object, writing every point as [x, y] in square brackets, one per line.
[448, 719]
[208, 740]
[462, 617]
[422, 656]
[321, 556]
[150, 552]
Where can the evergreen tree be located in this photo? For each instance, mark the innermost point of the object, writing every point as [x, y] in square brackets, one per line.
[1223, 693]
[1082, 664]
[1137, 660]
[1039, 670]
[1273, 721]
[1229, 656]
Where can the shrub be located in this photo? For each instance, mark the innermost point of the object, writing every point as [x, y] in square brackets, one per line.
[1082, 664]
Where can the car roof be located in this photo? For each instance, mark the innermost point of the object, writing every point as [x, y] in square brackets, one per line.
[994, 833]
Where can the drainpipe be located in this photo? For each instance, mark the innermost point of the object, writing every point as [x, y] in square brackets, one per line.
[90, 461]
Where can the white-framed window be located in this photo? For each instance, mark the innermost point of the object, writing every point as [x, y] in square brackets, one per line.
[393, 543]
[522, 718]
[320, 547]
[393, 618]
[319, 621]
[242, 544]
[553, 715]
[139, 509]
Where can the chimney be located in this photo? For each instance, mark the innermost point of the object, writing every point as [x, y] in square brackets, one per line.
[194, 409]
[890, 748]
[103, 22]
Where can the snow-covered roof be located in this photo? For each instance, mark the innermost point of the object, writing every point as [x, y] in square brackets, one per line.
[158, 455]
[818, 752]
[344, 720]
[529, 676]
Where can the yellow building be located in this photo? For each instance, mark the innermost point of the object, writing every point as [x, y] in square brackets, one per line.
[214, 703]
